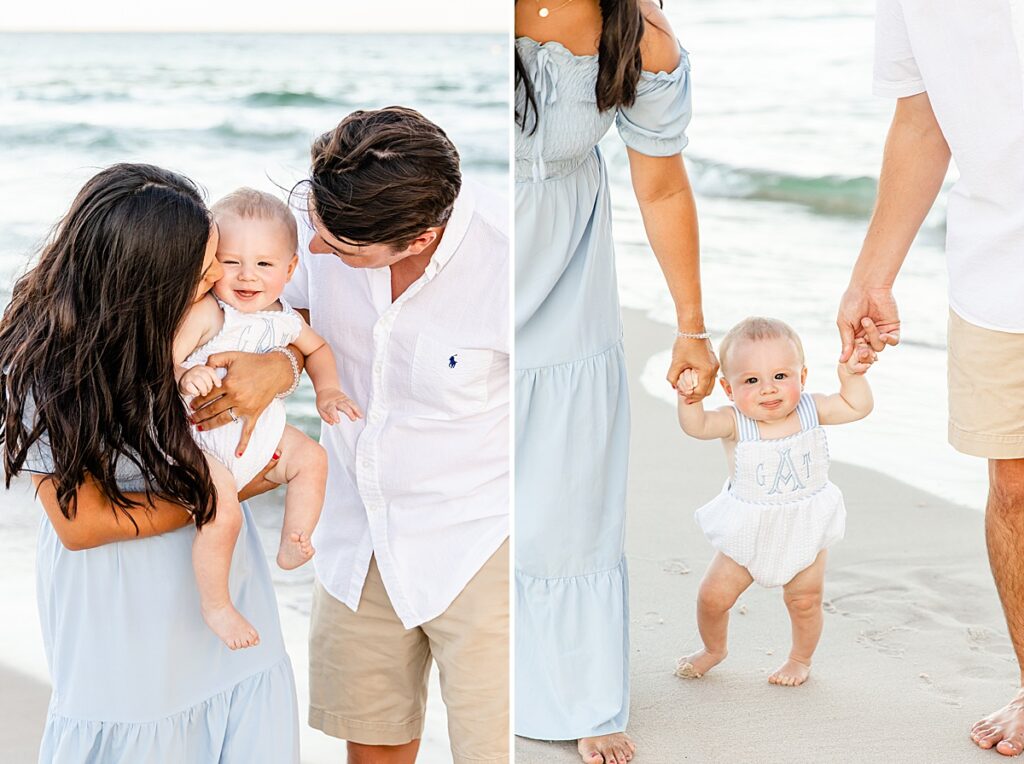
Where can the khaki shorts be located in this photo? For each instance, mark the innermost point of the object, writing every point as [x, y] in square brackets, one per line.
[368, 673]
[986, 391]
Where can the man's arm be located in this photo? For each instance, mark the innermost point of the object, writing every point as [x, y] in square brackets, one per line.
[913, 167]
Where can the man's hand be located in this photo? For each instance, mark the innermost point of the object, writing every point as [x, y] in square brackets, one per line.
[868, 313]
[332, 403]
[252, 381]
[698, 357]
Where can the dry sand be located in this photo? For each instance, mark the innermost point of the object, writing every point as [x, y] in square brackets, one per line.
[914, 649]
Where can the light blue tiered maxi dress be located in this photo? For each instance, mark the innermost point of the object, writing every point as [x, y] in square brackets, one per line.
[572, 403]
[138, 678]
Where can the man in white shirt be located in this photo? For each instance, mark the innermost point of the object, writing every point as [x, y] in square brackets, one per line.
[956, 69]
[404, 271]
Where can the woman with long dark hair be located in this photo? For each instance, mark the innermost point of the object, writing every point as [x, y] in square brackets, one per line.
[89, 406]
[580, 65]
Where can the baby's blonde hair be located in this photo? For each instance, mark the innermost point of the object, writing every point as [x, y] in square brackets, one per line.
[248, 204]
[756, 328]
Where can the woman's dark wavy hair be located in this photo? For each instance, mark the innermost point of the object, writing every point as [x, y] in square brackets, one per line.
[618, 62]
[86, 340]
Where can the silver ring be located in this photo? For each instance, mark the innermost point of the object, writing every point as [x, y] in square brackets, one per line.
[231, 413]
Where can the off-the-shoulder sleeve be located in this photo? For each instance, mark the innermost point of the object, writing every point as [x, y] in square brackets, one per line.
[656, 122]
[39, 457]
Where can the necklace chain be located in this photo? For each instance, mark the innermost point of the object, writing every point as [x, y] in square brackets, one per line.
[544, 11]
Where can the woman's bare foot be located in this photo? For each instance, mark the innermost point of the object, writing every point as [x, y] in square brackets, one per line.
[616, 748]
[295, 550]
[792, 673]
[232, 628]
[697, 665]
[1003, 729]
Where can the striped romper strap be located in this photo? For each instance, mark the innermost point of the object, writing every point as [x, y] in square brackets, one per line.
[807, 411]
[747, 427]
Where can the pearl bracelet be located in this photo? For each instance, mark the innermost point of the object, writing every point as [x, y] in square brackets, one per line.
[295, 371]
[694, 335]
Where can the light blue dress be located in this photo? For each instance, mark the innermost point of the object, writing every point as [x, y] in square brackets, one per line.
[572, 403]
[138, 677]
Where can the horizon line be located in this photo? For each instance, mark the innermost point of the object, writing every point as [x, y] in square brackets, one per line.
[417, 32]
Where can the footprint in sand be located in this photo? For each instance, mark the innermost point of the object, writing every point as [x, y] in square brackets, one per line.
[652, 619]
[676, 567]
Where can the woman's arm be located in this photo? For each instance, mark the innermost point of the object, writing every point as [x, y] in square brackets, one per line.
[252, 381]
[97, 522]
[670, 219]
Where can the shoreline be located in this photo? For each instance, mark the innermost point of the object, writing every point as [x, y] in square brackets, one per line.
[914, 648]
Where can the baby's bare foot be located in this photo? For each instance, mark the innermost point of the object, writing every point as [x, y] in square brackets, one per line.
[616, 748]
[697, 665]
[1003, 729]
[792, 673]
[295, 550]
[232, 628]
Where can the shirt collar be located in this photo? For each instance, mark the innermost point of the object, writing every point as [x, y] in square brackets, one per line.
[454, 231]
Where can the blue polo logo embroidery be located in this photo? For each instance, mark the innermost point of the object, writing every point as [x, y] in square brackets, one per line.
[452, 361]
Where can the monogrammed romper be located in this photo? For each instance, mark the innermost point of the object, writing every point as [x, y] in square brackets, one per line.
[779, 509]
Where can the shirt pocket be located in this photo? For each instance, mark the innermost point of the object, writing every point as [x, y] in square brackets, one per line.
[449, 378]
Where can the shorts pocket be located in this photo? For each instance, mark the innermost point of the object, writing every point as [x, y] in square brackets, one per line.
[450, 378]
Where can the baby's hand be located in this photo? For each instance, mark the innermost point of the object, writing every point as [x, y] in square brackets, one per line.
[861, 358]
[332, 403]
[686, 385]
[199, 380]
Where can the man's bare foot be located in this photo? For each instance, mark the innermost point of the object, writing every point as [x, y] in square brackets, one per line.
[792, 673]
[616, 748]
[232, 628]
[295, 550]
[1004, 729]
[697, 665]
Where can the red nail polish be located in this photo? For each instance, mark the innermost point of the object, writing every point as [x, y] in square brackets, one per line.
[238, 453]
[199, 427]
[275, 457]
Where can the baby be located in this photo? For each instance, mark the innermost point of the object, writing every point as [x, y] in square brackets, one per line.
[257, 251]
[778, 512]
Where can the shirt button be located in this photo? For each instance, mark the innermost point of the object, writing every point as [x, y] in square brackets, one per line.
[366, 465]
[376, 416]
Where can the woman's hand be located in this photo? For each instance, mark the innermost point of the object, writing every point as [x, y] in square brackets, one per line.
[698, 357]
[252, 381]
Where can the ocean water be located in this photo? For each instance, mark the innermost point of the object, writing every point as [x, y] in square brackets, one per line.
[785, 149]
[225, 110]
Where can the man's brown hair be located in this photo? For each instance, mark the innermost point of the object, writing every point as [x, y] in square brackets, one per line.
[383, 177]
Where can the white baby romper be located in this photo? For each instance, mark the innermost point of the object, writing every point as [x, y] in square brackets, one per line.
[256, 332]
[779, 509]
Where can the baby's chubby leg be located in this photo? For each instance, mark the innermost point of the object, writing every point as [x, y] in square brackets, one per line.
[723, 583]
[803, 600]
[303, 466]
[212, 550]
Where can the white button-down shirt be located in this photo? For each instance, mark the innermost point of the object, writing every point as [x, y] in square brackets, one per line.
[422, 483]
[969, 57]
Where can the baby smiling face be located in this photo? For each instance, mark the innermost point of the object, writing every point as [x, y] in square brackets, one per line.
[764, 377]
[258, 258]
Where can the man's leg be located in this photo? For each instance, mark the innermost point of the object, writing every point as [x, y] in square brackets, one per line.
[1004, 535]
[986, 419]
[469, 641]
[367, 675]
